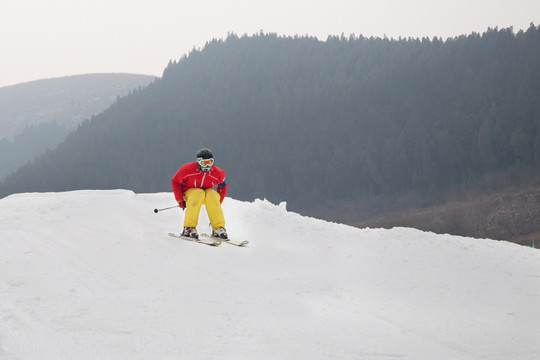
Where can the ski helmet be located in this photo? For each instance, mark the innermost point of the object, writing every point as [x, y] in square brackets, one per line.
[204, 154]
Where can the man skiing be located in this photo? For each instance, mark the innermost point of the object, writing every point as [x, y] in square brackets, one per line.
[193, 186]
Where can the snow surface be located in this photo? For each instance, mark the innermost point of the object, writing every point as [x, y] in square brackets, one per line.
[93, 275]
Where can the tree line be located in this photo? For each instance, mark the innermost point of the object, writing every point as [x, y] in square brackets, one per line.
[312, 122]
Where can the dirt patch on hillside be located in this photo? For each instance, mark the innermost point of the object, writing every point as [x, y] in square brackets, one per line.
[512, 215]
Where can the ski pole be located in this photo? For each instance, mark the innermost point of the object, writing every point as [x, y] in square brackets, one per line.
[158, 210]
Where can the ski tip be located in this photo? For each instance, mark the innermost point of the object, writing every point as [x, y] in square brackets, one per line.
[241, 243]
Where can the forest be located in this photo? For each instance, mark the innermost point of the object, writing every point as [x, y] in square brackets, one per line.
[349, 120]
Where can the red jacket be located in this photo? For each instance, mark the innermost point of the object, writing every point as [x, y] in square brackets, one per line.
[189, 176]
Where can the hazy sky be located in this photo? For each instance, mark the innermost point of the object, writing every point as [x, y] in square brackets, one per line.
[50, 38]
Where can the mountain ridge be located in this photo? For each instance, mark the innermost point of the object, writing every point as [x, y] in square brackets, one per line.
[66, 100]
[36, 116]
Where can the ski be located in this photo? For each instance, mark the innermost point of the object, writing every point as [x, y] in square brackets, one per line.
[227, 241]
[207, 241]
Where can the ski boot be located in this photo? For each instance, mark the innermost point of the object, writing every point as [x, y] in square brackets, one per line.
[220, 233]
[190, 232]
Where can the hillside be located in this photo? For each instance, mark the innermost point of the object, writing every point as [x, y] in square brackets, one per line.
[67, 101]
[350, 126]
[512, 214]
[37, 115]
[92, 275]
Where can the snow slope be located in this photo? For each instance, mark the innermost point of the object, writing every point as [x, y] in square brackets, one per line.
[92, 275]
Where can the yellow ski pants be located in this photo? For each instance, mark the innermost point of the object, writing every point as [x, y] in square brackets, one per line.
[195, 198]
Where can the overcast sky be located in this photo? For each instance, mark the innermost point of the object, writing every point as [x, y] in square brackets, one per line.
[51, 38]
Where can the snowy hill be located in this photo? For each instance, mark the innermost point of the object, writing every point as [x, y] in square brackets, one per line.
[92, 275]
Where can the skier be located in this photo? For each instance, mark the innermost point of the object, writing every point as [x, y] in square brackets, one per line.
[193, 185]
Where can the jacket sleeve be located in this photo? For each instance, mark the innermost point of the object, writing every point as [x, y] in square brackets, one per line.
[177, 184]
[222, 190]
[222, 186]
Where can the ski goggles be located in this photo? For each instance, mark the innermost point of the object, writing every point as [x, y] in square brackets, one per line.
[205, 162]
